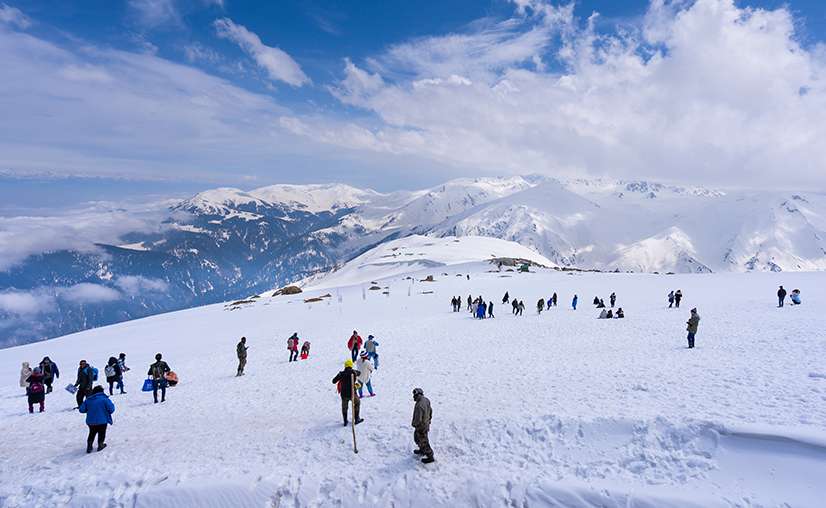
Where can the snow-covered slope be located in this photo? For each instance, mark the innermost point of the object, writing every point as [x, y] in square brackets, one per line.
[557, 409]
[414, 252]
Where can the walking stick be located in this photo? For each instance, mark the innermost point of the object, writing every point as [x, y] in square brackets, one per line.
[353, 401]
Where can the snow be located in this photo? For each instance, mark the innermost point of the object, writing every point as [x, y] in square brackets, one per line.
[314, 198]
[557, 409]
[134, 246]
[404, 255]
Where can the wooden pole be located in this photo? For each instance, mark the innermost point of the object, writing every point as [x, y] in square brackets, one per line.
[353, 402]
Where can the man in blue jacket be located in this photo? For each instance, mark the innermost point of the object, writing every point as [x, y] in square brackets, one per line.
[98, 409]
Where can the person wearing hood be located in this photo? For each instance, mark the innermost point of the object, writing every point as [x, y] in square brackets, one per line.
[603, 314]
[678, 297]
[25, 372]
[114, 374]
[506, 298]
[346, 380]
[84, 381]
[98, 408]
[365, 369]
[370, 346]
[422, 416]
[620, 314]
[693, 323]
[36, 393]
[50, 373]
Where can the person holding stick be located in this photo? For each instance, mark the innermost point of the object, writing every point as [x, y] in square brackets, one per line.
[346, 382]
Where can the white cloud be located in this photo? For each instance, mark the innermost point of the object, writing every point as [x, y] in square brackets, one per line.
[704, 92]
[14, 17]
[197, 52]
[86, 73]
[154, 13]
[134, 285]
[77, 230]
[279, 65]
[25, 303]
[86, 292]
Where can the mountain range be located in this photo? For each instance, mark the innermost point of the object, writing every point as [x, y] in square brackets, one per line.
[227, 243]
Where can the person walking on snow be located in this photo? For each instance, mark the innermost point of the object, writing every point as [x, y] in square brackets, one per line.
[490, 309]
[574, 302]
[84, 381]
[671, 299]
[422, 416]
[292, 347]
[521, 308]
[50, 373]
[114, 374]
[678, 296]
[469, 303]
[540, 306]
[515, 305]
[506, 298]
[554, 299]
[35, 392]
[365, 369]
[305, 350]
[781, 296]
[25, 372]
[158, 371]
[354, 345]
[370, 346]
[346, 380]
[241, 351]
[98, 408]
[613, 299]
[122, 362]
[693, 322]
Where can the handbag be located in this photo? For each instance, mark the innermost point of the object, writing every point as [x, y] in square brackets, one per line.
[147, 385]
[71, 389]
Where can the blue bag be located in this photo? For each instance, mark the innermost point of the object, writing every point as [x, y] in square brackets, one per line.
[147, 385]
[94, 374]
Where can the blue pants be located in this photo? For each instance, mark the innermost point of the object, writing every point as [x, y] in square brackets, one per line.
[375, 358]
[691, 339]
[353, 352]
[780, 301]
[369, 385]
[159, 383]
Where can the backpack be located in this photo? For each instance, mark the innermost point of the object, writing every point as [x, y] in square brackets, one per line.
[94, 373]
[36, 387]
[110, 371]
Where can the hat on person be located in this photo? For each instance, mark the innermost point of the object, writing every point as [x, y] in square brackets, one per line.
[418, 391]
[348, 363]
[364, 354]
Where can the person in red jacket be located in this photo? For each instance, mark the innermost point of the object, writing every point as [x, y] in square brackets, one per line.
[36, 392]
[292, 346]
[354, 344]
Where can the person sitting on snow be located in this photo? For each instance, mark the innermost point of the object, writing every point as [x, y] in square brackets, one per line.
[795, 297]
[603, 314]
[620, 314]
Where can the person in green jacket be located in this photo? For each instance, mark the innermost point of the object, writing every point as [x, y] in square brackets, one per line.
[693, 322]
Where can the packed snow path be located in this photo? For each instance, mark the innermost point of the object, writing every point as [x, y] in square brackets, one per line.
[560, 409]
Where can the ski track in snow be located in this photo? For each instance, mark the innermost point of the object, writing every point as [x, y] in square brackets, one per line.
[560, 409]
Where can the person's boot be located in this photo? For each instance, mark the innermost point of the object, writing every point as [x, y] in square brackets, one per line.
[418, 451]
[428, 459]
[88, 448]
[101, 446]
[359, 420]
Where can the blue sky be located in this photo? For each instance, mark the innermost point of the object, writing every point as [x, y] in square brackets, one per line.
[182, 95]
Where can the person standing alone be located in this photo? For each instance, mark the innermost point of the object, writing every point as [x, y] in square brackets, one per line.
[346, 380]
[422, 415]
[158, 371]
[781, 296]
[292, 347]
[241, 351]
[693, 323]
[84, 381]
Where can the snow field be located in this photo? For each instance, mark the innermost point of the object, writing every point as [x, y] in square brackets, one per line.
[560, 409]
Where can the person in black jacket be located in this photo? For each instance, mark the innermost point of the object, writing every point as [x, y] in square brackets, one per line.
[781, 296]
[157, 371]
[84, 382]
[346, 387]
[50, 373]
[114, 374]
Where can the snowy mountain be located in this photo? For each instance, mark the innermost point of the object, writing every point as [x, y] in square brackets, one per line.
[416, 252]
[228, 243]
[557, 409]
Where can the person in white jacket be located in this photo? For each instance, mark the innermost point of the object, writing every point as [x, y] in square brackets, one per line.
[365, 368]
[25, 372]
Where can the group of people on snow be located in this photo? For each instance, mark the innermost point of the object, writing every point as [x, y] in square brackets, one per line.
[610, 314]
[794, 296]
[674, 299]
